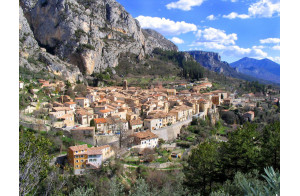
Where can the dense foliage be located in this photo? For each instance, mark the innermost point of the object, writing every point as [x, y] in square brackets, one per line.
[248, 149]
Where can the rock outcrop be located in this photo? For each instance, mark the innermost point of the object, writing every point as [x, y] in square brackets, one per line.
[212, 61]
[90, 34]
[156, 40]
[36, 59]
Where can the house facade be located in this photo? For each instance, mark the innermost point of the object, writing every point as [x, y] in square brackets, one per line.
[145, 139]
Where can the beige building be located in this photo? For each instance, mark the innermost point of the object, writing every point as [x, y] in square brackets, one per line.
[83, 117]
[153, 124]
[82, 102]
[136, 125]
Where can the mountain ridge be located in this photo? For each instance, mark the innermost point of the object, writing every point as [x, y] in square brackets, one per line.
[263, 69]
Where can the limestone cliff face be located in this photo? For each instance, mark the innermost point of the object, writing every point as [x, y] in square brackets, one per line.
[90, 34]
[212, 61]
[156, 40]
[36, 59]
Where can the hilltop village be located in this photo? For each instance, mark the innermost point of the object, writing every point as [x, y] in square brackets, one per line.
[107, 122]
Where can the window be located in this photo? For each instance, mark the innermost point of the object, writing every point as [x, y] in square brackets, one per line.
[76, 156]
[81, 156]
[76, 152]
[90, 160]
[77, 161]
[77, 166]
[81, 160]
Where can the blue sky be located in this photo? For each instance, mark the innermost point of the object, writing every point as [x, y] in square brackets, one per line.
[233, 28]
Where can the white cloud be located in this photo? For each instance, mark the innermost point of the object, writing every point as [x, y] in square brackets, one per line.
[216, 39]
[232, 50]
[166, 26]
[277, 47]
[209, 45]
[216, 35]
[264, 8]
[270, 41]
[261, 9]
[177, 40]
[258, 47]
[184, 5]
[275, 59]
[234, 15]
[211, 17]
[242, 52]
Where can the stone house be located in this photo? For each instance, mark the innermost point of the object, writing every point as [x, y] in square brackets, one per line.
[136, 125]
[82, 102]
[152, 124]
[71, 105]
[145, 139]
[83, 117]
[101, 125]
[68, 120]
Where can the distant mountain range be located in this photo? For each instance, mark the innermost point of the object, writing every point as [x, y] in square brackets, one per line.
[212, 61]
[263, 69]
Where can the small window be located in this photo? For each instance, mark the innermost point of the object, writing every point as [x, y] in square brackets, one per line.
[77, 166]
[76, 152]
[81, 156]
[77, 161]
[81, 160]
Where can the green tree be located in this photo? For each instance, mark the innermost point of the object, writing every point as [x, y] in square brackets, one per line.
[141, 188]
[251, 184]
[202, 169]
[116, 188]
[92, 123]
[70, 92]
[33, 162]
[270, 146]
[82, 191]
[81, 89]
[241, 152]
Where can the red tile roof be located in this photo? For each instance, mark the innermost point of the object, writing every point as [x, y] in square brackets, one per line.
[99, 120]
[145, 135]
[79, 147]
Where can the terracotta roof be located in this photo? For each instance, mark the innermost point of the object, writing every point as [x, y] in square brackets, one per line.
[99, 120]
[79, 147]
[70, 103]
[104, 111]
[80, 98]
[145, 135]
[94, 150]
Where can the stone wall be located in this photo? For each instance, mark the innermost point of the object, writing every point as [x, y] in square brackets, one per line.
[38, 127]
[170, 133]
[106, 139]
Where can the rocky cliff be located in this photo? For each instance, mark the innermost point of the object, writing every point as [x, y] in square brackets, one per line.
[36, 59]
[212, 61]
[89, 34]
